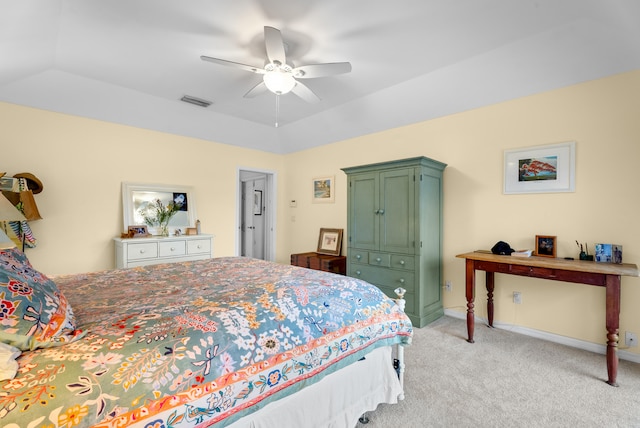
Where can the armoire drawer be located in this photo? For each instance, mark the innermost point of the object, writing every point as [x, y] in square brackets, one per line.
[384, 276]
[172, 248]
[400, 261]
[380, 259]
[358, 256]
[143, 250]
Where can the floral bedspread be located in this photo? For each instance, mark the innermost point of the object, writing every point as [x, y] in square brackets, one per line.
[196, 343]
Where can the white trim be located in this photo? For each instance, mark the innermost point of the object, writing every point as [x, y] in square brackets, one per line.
[551, 337]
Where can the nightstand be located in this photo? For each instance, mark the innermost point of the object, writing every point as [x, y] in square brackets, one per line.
[324, 262]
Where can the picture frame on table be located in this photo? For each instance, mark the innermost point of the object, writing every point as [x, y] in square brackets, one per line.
[540, 169]
[138, 231]
[330, 241]
[546, 246]
[323, 190]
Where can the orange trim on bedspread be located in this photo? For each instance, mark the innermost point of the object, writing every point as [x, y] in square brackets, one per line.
[168, 402]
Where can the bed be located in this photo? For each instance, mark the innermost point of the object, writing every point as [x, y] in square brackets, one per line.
[229, 341]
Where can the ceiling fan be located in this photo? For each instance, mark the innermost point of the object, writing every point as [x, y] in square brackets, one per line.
[280, 77]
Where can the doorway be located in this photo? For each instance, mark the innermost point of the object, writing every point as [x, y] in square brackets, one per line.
[256, 214]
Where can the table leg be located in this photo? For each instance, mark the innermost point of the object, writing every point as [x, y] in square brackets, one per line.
[470, 292]
[613, 324]
[490, 287]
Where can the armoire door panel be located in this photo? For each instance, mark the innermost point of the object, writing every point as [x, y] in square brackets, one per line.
[398, 220]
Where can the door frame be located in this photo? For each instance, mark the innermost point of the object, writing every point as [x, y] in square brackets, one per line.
[271, 187]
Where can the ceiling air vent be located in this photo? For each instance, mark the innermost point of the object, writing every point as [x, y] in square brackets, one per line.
[195, 101]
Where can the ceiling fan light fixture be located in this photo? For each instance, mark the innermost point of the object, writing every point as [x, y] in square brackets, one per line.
[279, 82]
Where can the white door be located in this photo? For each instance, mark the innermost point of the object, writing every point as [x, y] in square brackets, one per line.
[256, 214]
[253, 215]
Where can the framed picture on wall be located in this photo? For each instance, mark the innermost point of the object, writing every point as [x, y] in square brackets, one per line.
[545, 246]
[330, 242]
[324, 189]
[257, 202]
[540, 169]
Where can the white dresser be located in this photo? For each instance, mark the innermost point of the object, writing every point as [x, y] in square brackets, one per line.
[153, 250]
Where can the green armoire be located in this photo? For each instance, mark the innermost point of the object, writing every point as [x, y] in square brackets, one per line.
[394, 231]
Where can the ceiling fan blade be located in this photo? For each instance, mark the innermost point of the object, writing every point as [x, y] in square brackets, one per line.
[321, 70]
[233, 64]
[274, 45]
[305, 93]
[260, 88]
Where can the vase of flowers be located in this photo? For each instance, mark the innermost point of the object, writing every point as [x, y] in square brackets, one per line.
[156, 214]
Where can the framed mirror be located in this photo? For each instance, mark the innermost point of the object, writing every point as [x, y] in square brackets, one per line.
[136, 197]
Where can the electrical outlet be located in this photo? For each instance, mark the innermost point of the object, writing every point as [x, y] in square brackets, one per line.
[517, 297]
[630, 339]
[447, 285]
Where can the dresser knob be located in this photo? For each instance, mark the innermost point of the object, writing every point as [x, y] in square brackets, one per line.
[402, 262]
[173, 249]
[401, 280]
[378, 259]
[199, 246]
[380, 212]
[358, 273]
[358, 257]
[141, 251]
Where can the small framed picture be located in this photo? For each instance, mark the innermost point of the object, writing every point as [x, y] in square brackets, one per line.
[138, 231]
[257, 202]
[330, 242]
[323, 190]
[545, 246]
[541, 169]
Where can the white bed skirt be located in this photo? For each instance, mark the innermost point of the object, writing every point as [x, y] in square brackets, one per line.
[337, 401]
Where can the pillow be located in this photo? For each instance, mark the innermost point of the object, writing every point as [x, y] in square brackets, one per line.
[8, 363]
[33, 311]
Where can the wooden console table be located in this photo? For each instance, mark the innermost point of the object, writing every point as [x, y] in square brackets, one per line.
[584, 272]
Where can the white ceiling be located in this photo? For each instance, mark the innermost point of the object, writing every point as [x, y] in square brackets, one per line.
[130, 61]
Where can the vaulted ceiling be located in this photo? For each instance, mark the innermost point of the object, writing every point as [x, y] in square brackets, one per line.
[131, 61]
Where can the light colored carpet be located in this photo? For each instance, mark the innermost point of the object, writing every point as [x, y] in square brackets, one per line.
[506, 379]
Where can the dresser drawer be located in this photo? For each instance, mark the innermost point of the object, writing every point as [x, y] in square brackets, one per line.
[380, 259]
[358, 256]
[199, 246]
[172, 248]
[142, 250]
[403, 262]
[384, 277]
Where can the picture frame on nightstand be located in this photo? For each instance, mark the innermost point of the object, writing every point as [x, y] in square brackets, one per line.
[330, 242]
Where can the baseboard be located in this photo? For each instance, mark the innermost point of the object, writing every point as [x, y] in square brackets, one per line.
[551, 337]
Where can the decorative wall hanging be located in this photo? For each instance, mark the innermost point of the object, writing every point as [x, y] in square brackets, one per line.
[541, 169]
[324, 189]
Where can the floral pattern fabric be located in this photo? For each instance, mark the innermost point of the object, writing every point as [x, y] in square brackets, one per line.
[33, 311]
[196, 343]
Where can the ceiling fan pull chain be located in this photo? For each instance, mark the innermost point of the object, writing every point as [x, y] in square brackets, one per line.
[277, 108]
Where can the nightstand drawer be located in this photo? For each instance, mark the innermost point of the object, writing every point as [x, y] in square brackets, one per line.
[199, 246]
[146, 250]
[172, 248]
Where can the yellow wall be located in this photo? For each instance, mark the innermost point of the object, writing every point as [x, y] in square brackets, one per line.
[82, 163]
[601, 117]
